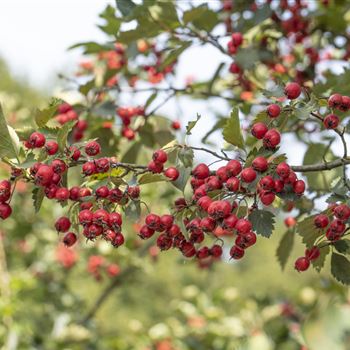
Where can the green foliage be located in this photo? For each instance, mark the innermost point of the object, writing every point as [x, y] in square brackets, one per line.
[8, 142]
[263, 222]
[285, 247]
[232, 131]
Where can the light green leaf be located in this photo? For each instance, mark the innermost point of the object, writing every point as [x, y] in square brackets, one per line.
[8, 139]
[232, 131]
[63, 134]
[191, 125]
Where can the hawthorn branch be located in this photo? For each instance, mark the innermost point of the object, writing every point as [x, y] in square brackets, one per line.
[321, 166]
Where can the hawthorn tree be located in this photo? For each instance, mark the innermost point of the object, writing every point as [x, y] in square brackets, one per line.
[275, 76]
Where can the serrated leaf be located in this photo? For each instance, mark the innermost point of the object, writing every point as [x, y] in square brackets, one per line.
[85, 88]
[190, 125]
[182, 180]
[342, 246]
[38, 196]
[232, 131]
[285, 248]
[201, 17]
[308, 231]
[149, 178]
[133, 210]
[8, 146]
[63, 134]
[340, 268]
[320, 261]
[263, 222]
[186, 156]
[125, 6]
[43, 116]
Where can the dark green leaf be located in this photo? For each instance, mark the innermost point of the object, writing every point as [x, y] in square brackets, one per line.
[182, 180]
[232, 131]
[63, 134]
[263, 222]
[342, 246]
[133, 210]
[186, 156]
[37, 196]
[201, 17]
[173, 55]
[340, 268]
[320, 261]
[285, 248]
[149, 178]
[85, 88]
[125, 6]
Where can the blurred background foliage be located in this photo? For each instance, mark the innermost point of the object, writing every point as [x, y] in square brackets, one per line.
[47, 291]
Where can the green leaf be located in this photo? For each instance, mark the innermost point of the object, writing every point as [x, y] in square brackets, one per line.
[340, 268]
[8, 139]
[43, 116]
[186, 156]
[201, 17]
[320, 261]
[263, 222]
[125, 6]
[150, 178]
[151, 99]
[173, 54]
[232, 131]
[112, 23]
[133, 210]
[182, 180]
[91, 47]
[342, 246]
[191, 125]
[319, 180]
[130, 156]
[278, 91]
[85, 88]
[285, 248]
[164, 12]
[308, 231]
[247, 58]
[63, 134]
[37, 196]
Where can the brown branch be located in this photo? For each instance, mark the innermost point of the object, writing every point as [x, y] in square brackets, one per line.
[320, 166]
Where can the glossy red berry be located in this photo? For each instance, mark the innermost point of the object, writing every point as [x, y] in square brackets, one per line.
[302, 264]
[85, 217]
[233, 184]
[74, 153]
[216, 251]
[62, 194]
[342, 212]
[59, 166]
[219, 209]
[273, 110]
[208, 224]
[283, 170]
[321, 221]
[174, 231]
[102, 165]
[69, 239]
[246, 241]
[152, 221]
[292, 90]
[272, 139]
[100, 217]
[154, 167]
[204, 202]
[267, 183]
[234, 167]
[299, 187]
[146, 232]
[92, 148]
[201, 171]
[166, 221]
[248, 175]
[62, 224]
[44, 175]
[5, 190]
[5, 211]
[243, 226]
[259, 130]
[188, 250]
[331, 121]
[230, 222]
[51, 147]
[37, 140]
[115, 221]
[345, 104]
[260, 164]
[160, 156]
[267, 197]
[236, 252]
[335, 101]
[118, 240]
[313, 253]
[172, 173]
[89, 168]
[102, 192]
[176, 125]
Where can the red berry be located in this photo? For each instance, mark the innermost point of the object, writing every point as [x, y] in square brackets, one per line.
[62, 194]
[219, 209]
[62, 224]
[172, 173]
[118, 240]
[64, 107]
[233, 167]
[302, 264]
[113, 270]
[260, 164]
[208, 224]
[115, 221]
[174, 230]
[5, 211]
[102, 165]
[85, 217]
[267, 197]
[203, 253]
[299, 187]
[152, 221]
[283, 170]
[100, 217]
[335, 101]
[69, 239]
[331, 121]
[37, 140]
[279, 186]
[230, 222]
[188, 249]
[74, 152]
[342, 212]
[51, 147]
[313, 253]
[345, 103]
[216, 251]
[236, 252]
[337, 226]
[92, 231]
[154, 167]
[321, 221]
[166, 221]
[234, 68]
[160, 156]
[232, 184]
[176, 125]
[5, 190]
[246, 240]
[223, 173]
[146, 232]
[292, 90]
[92, 148]
[50, 191]
[248, 175]
[81, 125]
[115, 195]
[201, 171]
[59, 166]
[273, 110]
[102, 192]
[44, 175]
[290, 221]
[237, 39]
[243, 226]
[164, 242]
[204, 202]
[213, 183]
[89, 168]
[271, 139]
[267, 183]
[134, 191]
[259, 130]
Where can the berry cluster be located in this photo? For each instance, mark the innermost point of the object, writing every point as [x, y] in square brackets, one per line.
[334, 229]
[5, 195]
[126, 114]
[156, 165]
[97, 264]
